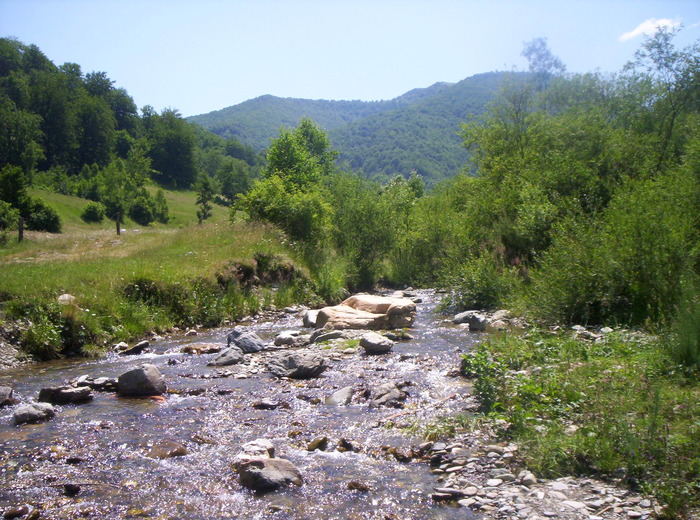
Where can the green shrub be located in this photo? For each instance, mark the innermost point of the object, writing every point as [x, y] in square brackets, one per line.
[9, 216]
[41, 217]
[93, 212]
[141, 210]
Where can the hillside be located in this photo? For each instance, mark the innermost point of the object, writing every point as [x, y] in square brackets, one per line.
[415, 131]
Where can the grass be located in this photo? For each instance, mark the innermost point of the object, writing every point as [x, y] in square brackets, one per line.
[146, 279]
[617, 407]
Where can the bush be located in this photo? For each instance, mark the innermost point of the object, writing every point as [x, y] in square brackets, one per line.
[40, 217]
[9, 216]
[141, 210]
[93, 212]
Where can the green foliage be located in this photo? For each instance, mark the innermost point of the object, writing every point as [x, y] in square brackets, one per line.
[613, 406]
[684, 344]
[142, 209]
[93, 212]
[39, 216]
[205, 193]
[291, 194]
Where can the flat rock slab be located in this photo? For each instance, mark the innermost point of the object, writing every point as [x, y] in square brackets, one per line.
[229, 356]
[66, 395]
[366, 311]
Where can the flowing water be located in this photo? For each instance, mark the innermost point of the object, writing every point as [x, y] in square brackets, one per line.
[103, 445]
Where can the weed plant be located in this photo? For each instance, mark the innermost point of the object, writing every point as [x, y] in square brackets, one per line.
[618, 407]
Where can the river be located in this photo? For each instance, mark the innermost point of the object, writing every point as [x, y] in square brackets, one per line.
[104, 446]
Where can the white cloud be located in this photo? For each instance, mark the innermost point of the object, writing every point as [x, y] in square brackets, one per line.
[649, 27]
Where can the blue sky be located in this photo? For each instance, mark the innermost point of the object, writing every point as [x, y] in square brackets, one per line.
[199, 56]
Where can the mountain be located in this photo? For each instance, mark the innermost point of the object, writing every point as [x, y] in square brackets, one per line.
[415, 131]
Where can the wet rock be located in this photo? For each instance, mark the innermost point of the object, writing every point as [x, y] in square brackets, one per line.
[476, 320]
[357, 485]
[253, 450]
[288, 338]
[66, 395]
[269, 404]
[201, 348]
[71, 490]
[145, 380]
[322, 335]
[309, 318]
[229, 356]
[297, 365]
[191, 332]
[340, 398]
[137, 349]
[389, 394]
[33, 413]
[347, 445]
[376, 344]
[167, 450]
[16, 512]
[248, 342]
[6, 396]
[319, 443]
[399, 335]
[264, 475]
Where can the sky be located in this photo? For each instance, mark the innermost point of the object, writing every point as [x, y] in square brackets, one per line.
[203, 55]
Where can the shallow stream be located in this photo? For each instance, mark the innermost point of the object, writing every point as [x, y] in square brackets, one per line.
[103, 445]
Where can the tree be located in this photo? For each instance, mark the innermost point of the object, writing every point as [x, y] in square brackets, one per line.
[542, 63]
[172, 148]
[205, 194]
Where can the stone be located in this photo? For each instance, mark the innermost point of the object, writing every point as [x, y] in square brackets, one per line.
[167, 450]
[368, 312]
[388, 394]
[341, 397]
[137, 349]
[145, 380]
[33, 413]
[309, 318]
[264, 475]
[6, 396]
[401, 312]
[476, 320]
[253, 450]
[229, 356]
[321, 335]
[248, 342]
[376, 344]
[528, 479]
[201, 348]
[319, 443]
[357, 485]
[298, 365]
[287, 338]
[16, 512]
[66, 395]
[494, 482]
[573, 504]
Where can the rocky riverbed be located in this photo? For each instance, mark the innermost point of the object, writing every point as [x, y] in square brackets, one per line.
[353, 431]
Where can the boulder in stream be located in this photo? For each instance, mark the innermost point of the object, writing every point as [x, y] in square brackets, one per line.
[366, 311]
[476, 320]
[263, 475]
[340, 397]
[248, 342]
[33, 413]
[374, 343]
[297, 365]
[66, 394]
[145, 380]
[253, 450]
[137, 349]
[229, 356]
[389, 394]
[6, 396]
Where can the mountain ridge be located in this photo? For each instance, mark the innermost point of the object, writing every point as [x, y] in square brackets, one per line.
[416, 131]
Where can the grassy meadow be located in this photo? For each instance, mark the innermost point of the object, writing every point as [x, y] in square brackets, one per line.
[145, 279]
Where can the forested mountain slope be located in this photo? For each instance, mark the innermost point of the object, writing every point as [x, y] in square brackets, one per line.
[415, 131]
